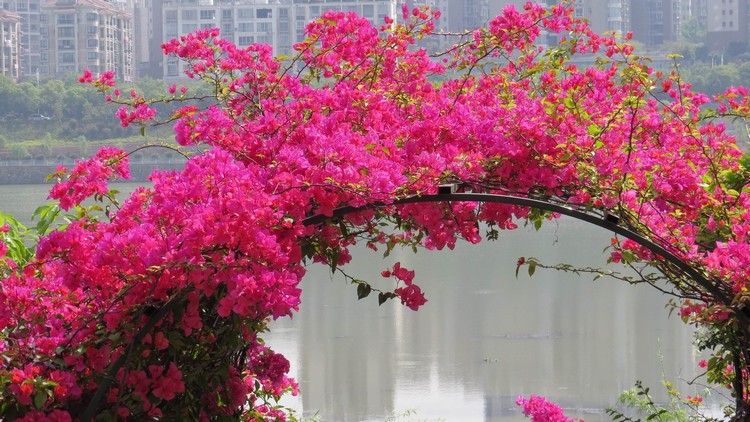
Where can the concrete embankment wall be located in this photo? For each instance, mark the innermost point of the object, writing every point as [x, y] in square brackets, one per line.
[31, 173]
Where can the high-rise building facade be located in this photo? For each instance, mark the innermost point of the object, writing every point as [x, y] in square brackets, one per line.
[727, 23]
[605, 15]
[655, 22]
[28, 10]
[86, 34]
[244, 22]
[10, 51]
[649, 19]
[458, 16]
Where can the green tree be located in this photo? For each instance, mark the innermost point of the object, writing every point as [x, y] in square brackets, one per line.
[693, 31]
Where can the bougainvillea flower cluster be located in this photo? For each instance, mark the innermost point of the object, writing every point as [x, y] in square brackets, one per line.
[156, 308]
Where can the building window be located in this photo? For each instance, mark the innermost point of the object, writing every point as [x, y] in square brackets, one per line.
[264, 27]
[264, 13]
[44, 57]
[92, 56]
[246, 40]
[43, 44]
[207, 26]
[43, 31]
[92, 17]
[67, 58]
[92, 43]
[65, 45]
[91, 30]
[226, 15]
[172, 68]
[208, 14]
[245, 14]
[189, 27]
[246, 27]
[66, 32]
[170, 16]
[65, 19]
[190, 15]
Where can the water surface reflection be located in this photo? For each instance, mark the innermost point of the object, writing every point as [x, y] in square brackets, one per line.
[484, 337]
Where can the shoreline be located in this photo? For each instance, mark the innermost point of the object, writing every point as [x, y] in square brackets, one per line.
[26, 173]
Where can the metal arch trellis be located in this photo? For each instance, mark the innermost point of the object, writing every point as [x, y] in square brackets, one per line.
[449, 196]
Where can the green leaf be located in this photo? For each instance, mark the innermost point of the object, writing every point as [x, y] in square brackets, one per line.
[47, 214]
[363, 290]
[628, 256]
[333, 258]
[532, 268]
[384, 296]
[39, 399]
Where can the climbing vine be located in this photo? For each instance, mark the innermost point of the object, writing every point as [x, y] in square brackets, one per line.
[155, 307]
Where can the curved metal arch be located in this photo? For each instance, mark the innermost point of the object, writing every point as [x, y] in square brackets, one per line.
[533, 203]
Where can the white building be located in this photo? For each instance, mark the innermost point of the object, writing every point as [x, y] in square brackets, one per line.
[85, 34]
[10, 51]
[279, 23]
[29, 11]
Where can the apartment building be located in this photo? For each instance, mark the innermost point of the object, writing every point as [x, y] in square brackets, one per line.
[141, 12]
[727, 23]
[28, 10]
[279, 23]
[10, 50]
[605, 15]
[655, 22]
[85, 34]
[457, 15]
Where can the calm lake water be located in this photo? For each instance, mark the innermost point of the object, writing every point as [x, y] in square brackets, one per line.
[484, 338]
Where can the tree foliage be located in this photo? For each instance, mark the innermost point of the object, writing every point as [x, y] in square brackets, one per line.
[154, 308]
[73, 109]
